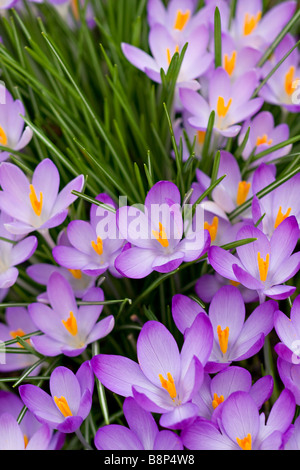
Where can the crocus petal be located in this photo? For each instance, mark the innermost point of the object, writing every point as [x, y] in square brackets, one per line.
[41, 439]
[204, 435]
[116, 437]
[61, 295]
[222, 261]
[11, 436]
[184, 311]
[135, 263]
[40, 404]
[63, 382]
[180, 417]
[140, 422]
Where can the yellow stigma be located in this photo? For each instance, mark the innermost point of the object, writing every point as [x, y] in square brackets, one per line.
[263, 266]
[222, 110]
[251, 22]
[181, 19]
[98, 247]
[246, 443]
[229, 63]
[217, 400]
[242, 193]
[201, 137]
[161, 236]
[263, 140]
[76, 273]
[63, 406]
[281, 217]
[168, 385]
[169, 56]
[213, 228]
[75, 9]
[71, 324]
[223, 338]
[3, 137]
[19, 332]
[26, 440]
[289, 80]
[36, 204]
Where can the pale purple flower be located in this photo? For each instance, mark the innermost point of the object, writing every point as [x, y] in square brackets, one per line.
[209, 284]
[293, 442]
[142, 434]
[288, 331]
[11, 436]
[235, 337]
[69, 402]
[12, 132]
[231, 103]
[165, 379]
[67, 328]
[263, 265]
[92, 245]
[289, 374]
[241, 426]
[36, 204]
[156, 234]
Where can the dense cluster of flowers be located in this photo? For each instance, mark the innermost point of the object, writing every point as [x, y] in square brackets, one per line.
[189, 387]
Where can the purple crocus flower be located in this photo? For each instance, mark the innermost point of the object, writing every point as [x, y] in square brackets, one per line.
[69, 402]
[263, 265]
[293, 442]
[13, 252]
[165, 380]
[290, 375]
[288, 331]
[209, 284]
[35, 204]
[231, 103]
[215, 391]
[68, 329]
[278, 204]
[156, 234]
[142, 434]
[242, 427]
[12, 132]
[92, 245]
[263, 135]
[235, 338]
[36, 436]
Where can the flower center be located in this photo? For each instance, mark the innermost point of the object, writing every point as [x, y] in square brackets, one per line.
[251, 22]
[181, 19]
[75, 9]
[229, 63]
[168, 385]
[71, 324]
[3, 137]
[242, 192]
[245, 443]
[263, 266]
[281, 217]
[223, 336]
[98, 247]
[213, 228]
[217, 400]
[161, 236]
[36, 204]
[201, 137]
[234, 283]
[76, 273]
[19, 332]
[289, 80]
[169, 55]
[63, 406]
[222, 110]
[263, 140]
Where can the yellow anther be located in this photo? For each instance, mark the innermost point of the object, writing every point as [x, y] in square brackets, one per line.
[245, 443]
[169, 56]
[263, 140]
[161, 236]
[229, 63]
[289, 80]
[201, 137]
[222, 110]
[281, 217]
[98, 247]
[26, 440]
[3, 137]
[213, 228]
[71, 324]
[242, 192]
[76, 273]
[19, 332]
[36, 204]
[251, 23]
[75, 9]
[217, 400]
[63, 406]
[181, 19]
[223, 338]
[263, 266]
[168, 385]
[234, 283]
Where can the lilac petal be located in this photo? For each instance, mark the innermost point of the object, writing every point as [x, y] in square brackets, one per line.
[55, 220]
[64, 383]
[139, 58]
[195, 104]
[8, 278]
[275, 19]
[89, 314]
[166, 264]
[282, 412]
[159, 41]
[25, 139]
[46, 179]
[152, 399]
[11, 436]
[85, 377]
[260, 321]
[70, 424]
[41, 439]
[207, 286]
[262, 390]
[47, 346]
[14, 182]
[46, 320]
[222, 261]
[184, 311]
[248, 348]
[158, 352]
[41, 272]
[280, 292]
[101, 329]
[283, 241]
[191, 380]
[240, 416]
[167, 440]
[248, 253]
[180, 417]
[61, 295]
[23, 250]
[192, 346]
[40, 404]
[140, 422]
[231, 380]
[70, 257]
[204, 435]
[285, 353]
[246, 279]
[80, 235]
[85, 405]
[65, 198]
[116, 437]
[135, 263]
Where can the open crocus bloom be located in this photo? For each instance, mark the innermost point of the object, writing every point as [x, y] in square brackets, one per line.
[12, 132]
[231, 103]
[142, 434]
[263, 265]
[68, 329]
[12, 438]
[69, 402]
[289, 373]
[35, 204]
[164, 380]
[288, 331]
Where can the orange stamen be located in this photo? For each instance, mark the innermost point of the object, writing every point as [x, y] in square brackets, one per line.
[245, 443]
[242, 193]
[63, 406]
[201, 137]
[75, 9]
[3, 137]
[213, 228]
[36, 204]
[289, 81]
[76, 273]
[251, 23]
[169, 57]
[223, 338]
[222, 110]
[281, 217]
[71, 324]
[234, 283]
[168, 385]
[181, 19]
[98, 247]
[19, 332]
[263, 266]
[161, 236]
[217, 401]
[263, 140]
[229, 63]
